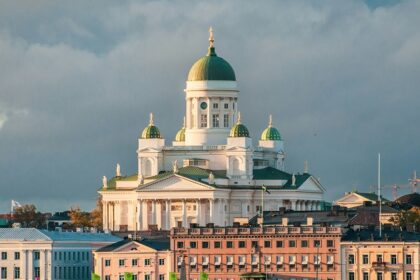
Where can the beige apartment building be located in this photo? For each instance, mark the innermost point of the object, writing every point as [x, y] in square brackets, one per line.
[393, 256]
[145, 259]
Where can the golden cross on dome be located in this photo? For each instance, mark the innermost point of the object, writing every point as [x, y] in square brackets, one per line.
[211, 37]
[270, 120]
[151, 119]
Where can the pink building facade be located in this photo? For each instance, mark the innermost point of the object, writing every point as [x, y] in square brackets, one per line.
[275, 252]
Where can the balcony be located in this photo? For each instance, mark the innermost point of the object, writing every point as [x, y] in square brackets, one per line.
[378, 265]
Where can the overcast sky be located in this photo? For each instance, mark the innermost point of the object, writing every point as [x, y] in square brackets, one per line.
[79, 78]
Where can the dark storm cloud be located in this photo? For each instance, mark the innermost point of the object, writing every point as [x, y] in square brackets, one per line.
[78, 80]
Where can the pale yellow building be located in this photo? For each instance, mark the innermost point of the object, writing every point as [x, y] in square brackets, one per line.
[367, 256]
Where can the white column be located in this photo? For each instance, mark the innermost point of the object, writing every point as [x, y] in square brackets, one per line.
[30, 265]
[211, 206]
[198, 213]
[293, 201]
[184, 213]
[159, 214]
[145, 220]
[24, 265]
[168, 214]
[244, 208]
[117, 215]
[139, 217]
[153, 221]
[104, 215]
[42, 271]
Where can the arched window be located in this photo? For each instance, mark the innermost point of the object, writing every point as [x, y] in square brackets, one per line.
[148, 164]
[236, 166]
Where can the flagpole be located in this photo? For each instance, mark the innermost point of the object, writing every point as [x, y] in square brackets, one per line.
[379, 194]
[262, 206]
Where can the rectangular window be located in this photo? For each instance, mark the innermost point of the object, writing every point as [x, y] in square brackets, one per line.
[317, 243]
[16, 272]
[107, 262]
[241, 244]
[161, 276]
[121, 262]
[4, 255]
[161, 261]
[36, 255]
[365, 259]
[203, 121]
[394, 276]
[37, 272]
[351, 275]
[229, 244]
[379, 276]
[279, 243]
[217, 244]
[180, 244]
[351, 259]
[134, 262]
[330, 243]
[146, 261]
[254, 243]
[304, 243]
[4, 273]
[408, 276]
[408, 259]
[292, 243]
[267, 244]
[193, 244]
[365, 275]
[17, 255]
[226, 105]
[107, 277]
[147, 277]
[226, 120]
[215, 105]
[215, 120]
[205, 245]
[393, 259]
[379, 258]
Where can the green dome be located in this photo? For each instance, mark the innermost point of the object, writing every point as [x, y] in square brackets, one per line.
[239, 130]
[270, 133]
[211, 67]
[150, 132]
[180, 135]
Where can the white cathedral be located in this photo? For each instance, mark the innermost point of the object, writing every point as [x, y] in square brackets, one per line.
[211, 173]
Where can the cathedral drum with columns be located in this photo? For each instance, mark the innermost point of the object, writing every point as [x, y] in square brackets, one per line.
[211, 173]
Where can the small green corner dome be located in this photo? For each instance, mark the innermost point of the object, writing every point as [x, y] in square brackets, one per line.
[150, 132]
[271, 133]
[211, 68]
[239, 130]
[180, 135]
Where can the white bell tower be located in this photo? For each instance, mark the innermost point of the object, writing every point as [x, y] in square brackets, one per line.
[211, 100]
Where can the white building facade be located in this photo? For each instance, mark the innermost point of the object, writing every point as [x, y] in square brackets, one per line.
[212, 172]
[32, 254]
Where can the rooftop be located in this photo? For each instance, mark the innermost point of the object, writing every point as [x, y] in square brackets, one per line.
[157, 244]
[387, 235]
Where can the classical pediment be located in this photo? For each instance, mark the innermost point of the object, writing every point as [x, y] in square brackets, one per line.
[352, 198]
[174, 183]
[148, 150]
[311, 184]
[134, 247]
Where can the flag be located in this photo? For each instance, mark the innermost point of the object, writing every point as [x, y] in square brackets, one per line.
[264, 188]
[204, 276]
[172, 276]
[95, 276]
[128, 276]
[15, 205]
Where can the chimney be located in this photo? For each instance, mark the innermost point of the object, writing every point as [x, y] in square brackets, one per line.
[284, 222]
[309, 221]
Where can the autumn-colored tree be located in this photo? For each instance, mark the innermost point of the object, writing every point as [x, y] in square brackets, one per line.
[27, 216]
[79, 218]
[408, 217]
[96, 214]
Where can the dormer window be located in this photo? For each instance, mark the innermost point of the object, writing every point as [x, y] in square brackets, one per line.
[202, 163]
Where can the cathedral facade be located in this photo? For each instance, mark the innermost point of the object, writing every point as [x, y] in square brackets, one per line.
[212, 172]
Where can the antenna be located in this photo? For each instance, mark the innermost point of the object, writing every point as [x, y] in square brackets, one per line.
[379, 194]
[413, 181]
